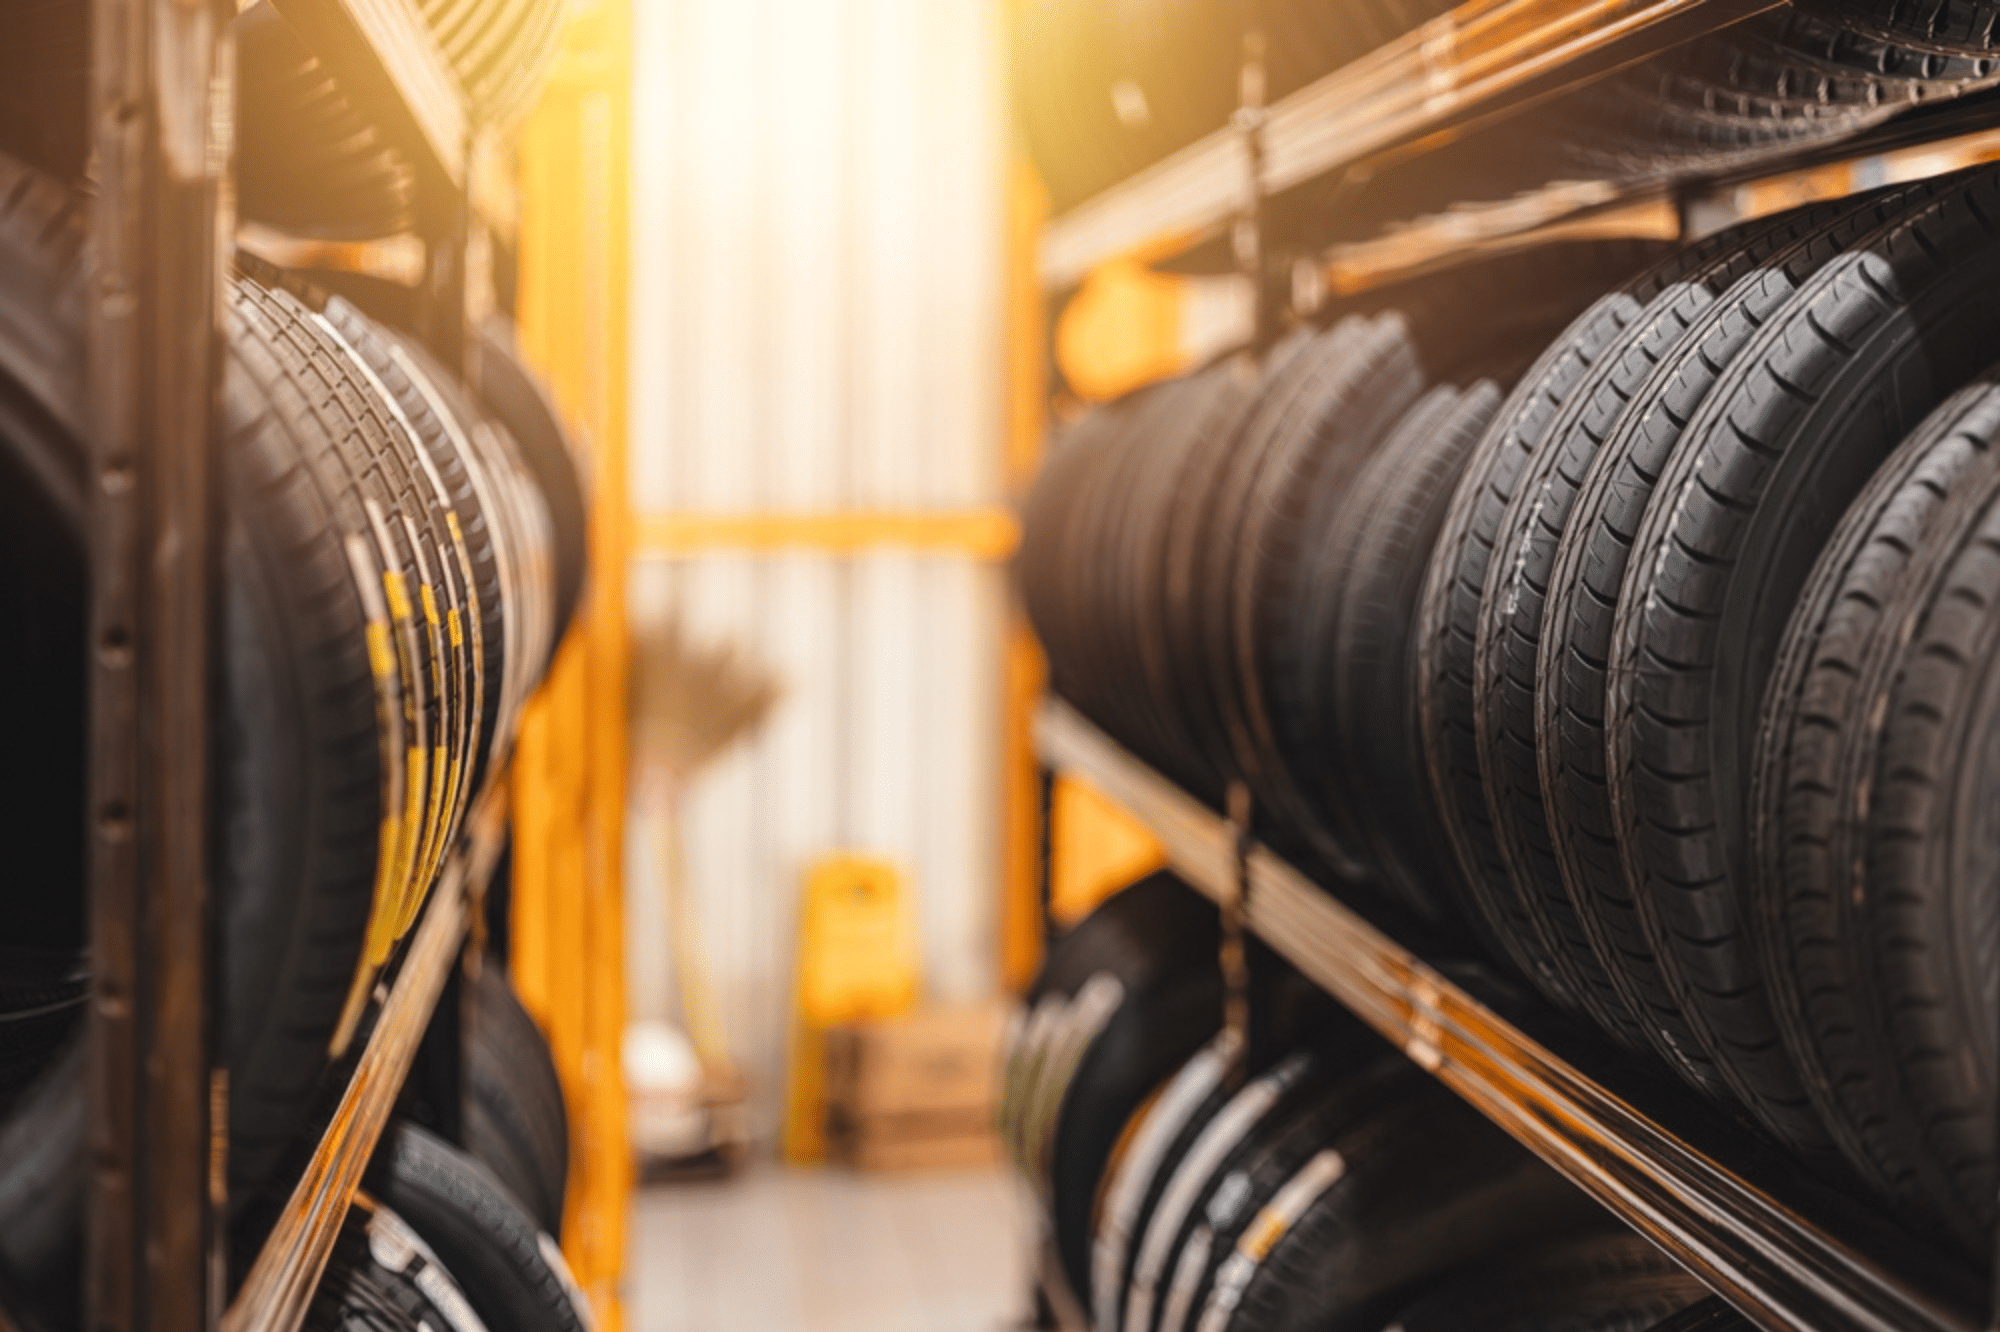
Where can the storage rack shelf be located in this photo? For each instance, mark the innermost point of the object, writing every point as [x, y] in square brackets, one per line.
[1464, 62]
[154, 1235]
[1788, 1254]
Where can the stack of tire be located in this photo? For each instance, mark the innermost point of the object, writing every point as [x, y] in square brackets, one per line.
[1665, 677]
[399, 549]
[1310, 1178]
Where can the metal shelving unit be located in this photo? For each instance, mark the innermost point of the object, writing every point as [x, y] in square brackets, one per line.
[1791, 1253]
[162, 108]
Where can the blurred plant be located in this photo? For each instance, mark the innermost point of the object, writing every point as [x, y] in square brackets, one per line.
[690, 702]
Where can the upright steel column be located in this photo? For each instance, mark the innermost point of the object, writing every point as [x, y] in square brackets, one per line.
[161, 107]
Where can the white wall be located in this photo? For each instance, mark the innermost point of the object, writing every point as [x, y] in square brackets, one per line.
[816, 326]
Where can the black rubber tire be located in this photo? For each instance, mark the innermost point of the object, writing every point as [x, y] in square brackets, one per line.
[1876, 940]
[1577, 620]
[517, 399]
[1272, 1157]
[1186, 1179]
[1448, 615]
[1157, 940]
[1790, 434]
[1774, 83]
[1950, 27]
[1602, 1280]
[1364, 375]
[1354, 647]
[514, 1120]
[382, 1277]
[440, 425]
[1422, 1185]
[1507, 639]
[309, 160]
[512, 1273]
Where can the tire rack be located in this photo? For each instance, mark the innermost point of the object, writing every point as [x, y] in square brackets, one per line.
[162, 110]
[1788, 1252]
[1784, 1252]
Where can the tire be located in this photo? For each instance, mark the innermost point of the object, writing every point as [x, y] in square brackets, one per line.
[1171, 1124]
[441, 427]
[1877, 950]
[1790, 434]
[1147, 958]
[381, 1277]
[1603, 1280]
[1446, 626]
[516, 398]
[515, 1122]
[1575, 638]
[1353, 654]
[1949, 27]
[1506, 642]
[1362, 377]
[309, 159]
[513, 1275]
[1185, 1181]
[1271, 1158]
[1422, 1185]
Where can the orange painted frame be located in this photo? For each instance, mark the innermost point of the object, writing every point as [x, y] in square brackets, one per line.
[570, 766]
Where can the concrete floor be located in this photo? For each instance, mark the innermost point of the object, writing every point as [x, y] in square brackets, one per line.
[778, 1250]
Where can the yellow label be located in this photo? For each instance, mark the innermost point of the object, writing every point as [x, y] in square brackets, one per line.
[399, 597]
[382, 917]
[457, 633]
[380, 659]
[1265, 1231]
[430, 603]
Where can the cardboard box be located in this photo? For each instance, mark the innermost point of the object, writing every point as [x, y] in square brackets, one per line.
[915, 1092]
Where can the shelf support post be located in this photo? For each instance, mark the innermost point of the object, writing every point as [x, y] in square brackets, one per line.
[161, 108]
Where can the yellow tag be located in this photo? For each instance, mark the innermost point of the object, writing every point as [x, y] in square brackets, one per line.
[399, 597]
[430, 603]
[451, 621]
[380, 659]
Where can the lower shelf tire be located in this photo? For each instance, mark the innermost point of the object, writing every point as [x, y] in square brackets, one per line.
[1225, 1138]
[515, 1123]
[1579, 614]
[1791, 433]
[1126, 997]
[1272, 1157]
[1869, 900]
[513, 1275]
[1600, 1280]
[1422, 1185]
[381, 1277]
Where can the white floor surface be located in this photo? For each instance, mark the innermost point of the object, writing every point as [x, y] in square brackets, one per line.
[778, 1250]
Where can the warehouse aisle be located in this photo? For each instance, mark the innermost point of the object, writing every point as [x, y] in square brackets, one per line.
[781, 1250]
